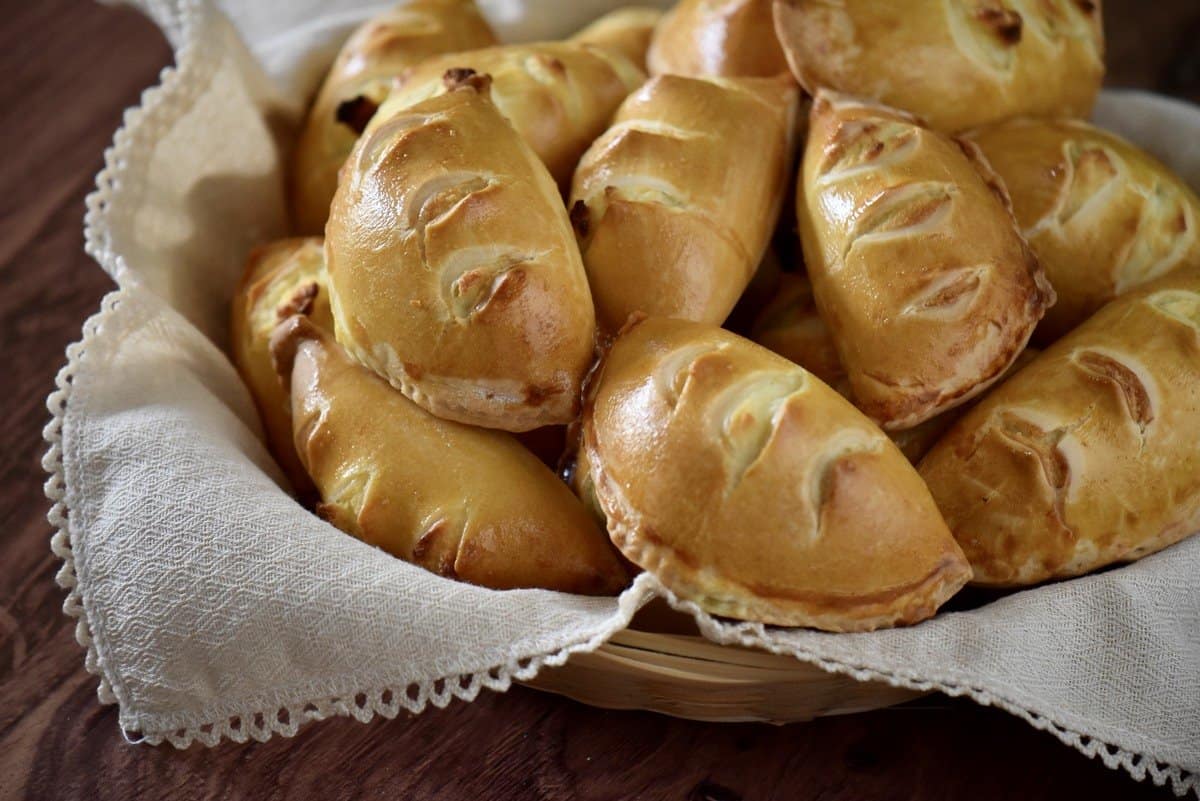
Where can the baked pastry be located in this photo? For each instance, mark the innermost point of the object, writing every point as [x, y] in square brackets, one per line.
[558, 95]
[957, 64]
[281, 279]
[358, 82]
[790, 326]
[626, 30]
[752, 489]
[1088, 456]
[732, 38]
[675, 204]
[454, 271]
[1102, 215]
[463, 502]
[916, 262]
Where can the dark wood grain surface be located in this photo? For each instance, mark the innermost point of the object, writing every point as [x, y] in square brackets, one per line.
[67, 69]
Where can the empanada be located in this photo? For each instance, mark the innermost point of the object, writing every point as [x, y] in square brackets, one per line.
[558, 95]
[454, 271]
[751, 488]
[916, 262]
[463, 502]
[358, 82]
[626, 30]
[281, 279]
[675, 204]
[956, 63]
[1102, 215]
[1088, 456]
[731, 38]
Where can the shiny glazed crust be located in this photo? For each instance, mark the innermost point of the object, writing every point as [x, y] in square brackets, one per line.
[558, 95]
[748, 486]
[675, 204]
[916, 262]
[731, 38]
[281, 279]
[463, 502]
[957, 64]
[790, 326]
[626, 30]
[359, 80]
[454, 271]
[1102, 215]
[1088, 456]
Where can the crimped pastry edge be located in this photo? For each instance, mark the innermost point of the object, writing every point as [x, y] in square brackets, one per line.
[627, 531]
[489, 406]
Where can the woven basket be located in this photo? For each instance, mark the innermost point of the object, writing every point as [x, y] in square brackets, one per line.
[662, 664]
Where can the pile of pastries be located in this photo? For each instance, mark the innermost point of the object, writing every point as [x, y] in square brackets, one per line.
[816, 310]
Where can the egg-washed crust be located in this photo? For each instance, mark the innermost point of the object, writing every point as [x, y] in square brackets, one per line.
[718, 595]
[687, 574]
[929, 245]
[674, 205]
[958, 64]
[359, 81]
[1088, 456]
[730, 38]
[454, 270]
[1103, 216]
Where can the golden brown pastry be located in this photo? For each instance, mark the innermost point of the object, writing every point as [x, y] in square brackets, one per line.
[749, 487]
[358, 82]
[463, 502]
[958, 64]
[732, 38]
[454, 270]
[558, 95]
[281, 279]
[675, 204]
[1102, 215]
[791, 327]
[916, 262]
[626, 30]
[1088, 456]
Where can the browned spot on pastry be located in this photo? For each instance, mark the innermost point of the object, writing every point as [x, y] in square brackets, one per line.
[857, 143]
[1003, 22]
[580, 218]
[536, 396]
[301, 302]
[356, 112]
[425, 551]
[413, 371]
[1086, 6]
[1106, 368]
[466, 78]
[326, 511]
[551, 63]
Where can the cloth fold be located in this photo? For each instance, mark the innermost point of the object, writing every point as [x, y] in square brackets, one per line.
[212, 605]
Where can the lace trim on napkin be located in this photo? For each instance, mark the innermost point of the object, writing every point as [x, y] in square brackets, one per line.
[160, 107]
[756, 635]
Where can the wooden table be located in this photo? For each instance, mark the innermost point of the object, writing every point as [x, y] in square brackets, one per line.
[69, 68]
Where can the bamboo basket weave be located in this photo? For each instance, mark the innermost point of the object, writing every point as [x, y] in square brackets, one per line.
[662, 664]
